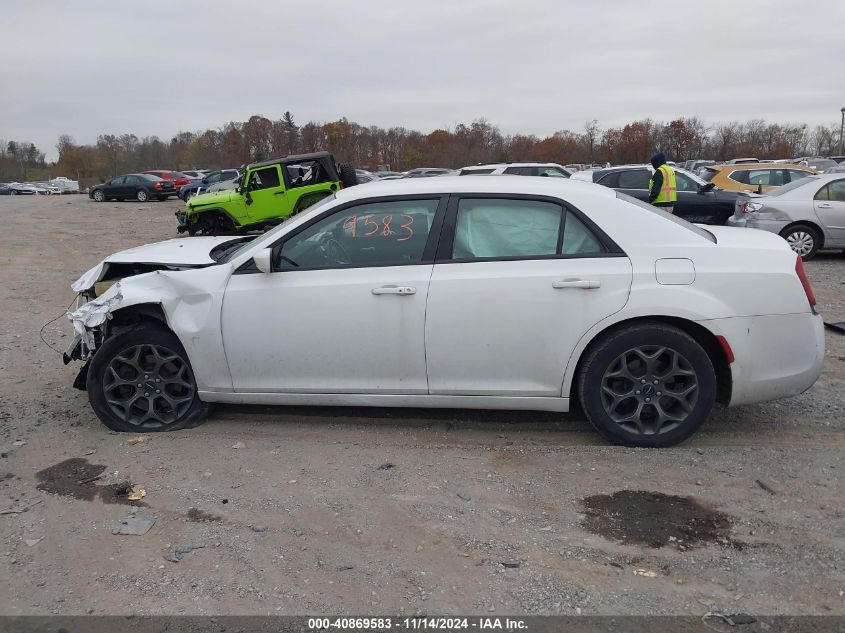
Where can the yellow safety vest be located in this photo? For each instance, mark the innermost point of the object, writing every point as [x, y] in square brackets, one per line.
[668, 192]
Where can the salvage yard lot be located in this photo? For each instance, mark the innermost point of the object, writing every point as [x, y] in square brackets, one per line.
[296, 510]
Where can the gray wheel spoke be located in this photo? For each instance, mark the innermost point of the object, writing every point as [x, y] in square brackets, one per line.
[649, 389]
[147, 399]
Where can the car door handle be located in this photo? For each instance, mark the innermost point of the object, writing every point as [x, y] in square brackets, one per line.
[279, 193]
[825, 205]
[395, 290]
[587, 284]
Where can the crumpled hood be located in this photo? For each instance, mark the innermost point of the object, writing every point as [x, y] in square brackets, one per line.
[185, 251]
[220, 196]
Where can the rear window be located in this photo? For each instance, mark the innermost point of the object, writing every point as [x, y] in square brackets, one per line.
[792, 185]
[707, 173]
[707, 235]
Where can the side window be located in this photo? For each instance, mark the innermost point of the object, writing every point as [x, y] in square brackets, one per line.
[307, 173]
[475, 172]
[132, 180]
[740, 176]
[578, 239]
[836, 191]
[520, 171]
[609, 180]
[506, 228]
[685, 183]
[378, 234]
[265, 178]
[634, 179]
[118, 181]
[552, 171]
[796, 174]
[822, 194]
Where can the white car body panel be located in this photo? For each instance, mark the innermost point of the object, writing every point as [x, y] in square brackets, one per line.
[482, 313]
[322, 337]
[325, 331]
[175, 252]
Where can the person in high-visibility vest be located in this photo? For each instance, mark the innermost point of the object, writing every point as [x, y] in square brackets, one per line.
[663, 190]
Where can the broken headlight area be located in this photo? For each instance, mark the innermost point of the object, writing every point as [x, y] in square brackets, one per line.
[89, 322]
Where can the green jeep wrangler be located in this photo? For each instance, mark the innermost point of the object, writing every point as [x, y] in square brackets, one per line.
[266, 194]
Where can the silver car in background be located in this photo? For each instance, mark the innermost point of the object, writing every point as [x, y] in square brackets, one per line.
[808, 213]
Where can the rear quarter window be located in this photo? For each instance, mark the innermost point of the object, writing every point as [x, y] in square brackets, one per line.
[669, 217]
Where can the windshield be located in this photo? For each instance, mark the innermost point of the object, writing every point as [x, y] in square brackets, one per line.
[792, 185]
[229, 255]
[707, 235]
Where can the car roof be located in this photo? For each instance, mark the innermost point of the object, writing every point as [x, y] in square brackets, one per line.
[514, 164]
[289, 159]
[749, 166]
[525, 185]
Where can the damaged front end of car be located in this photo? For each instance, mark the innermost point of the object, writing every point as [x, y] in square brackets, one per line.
[101, 292]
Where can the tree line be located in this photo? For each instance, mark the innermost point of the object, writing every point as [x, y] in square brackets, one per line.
[260, 138]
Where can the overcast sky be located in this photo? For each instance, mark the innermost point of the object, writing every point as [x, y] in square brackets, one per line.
[157, 67]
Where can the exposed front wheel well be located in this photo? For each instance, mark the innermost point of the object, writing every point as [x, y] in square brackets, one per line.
[134, 315]
[703, 336]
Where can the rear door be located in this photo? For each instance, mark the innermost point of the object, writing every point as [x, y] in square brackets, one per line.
[517, 282]
[829, 204]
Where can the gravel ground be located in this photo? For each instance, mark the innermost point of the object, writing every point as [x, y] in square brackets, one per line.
[339, 510]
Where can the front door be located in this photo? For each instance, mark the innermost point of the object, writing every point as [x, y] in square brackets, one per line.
[344, 309]
[266, 194]
[829, 204]
[512, 294]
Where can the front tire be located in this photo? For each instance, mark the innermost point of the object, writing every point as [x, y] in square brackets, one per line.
[99, 196]
[141, 381]
[142, 195]
[803, 239]
[648, 385]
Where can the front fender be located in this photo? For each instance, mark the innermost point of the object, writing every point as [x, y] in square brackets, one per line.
[191, 301]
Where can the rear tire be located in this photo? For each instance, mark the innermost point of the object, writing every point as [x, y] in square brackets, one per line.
[803, 239]
[151, 356]
[647, 385]
[347, 175]
[142, 195]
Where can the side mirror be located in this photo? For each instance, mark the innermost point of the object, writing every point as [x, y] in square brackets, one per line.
[263, 260]
[204, 181]
[760, 188]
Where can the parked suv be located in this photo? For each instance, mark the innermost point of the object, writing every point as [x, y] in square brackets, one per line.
[266, 194]
[764, 177]
[207, 180]
[518, 169]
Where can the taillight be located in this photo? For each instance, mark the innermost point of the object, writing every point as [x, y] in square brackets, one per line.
[802, 275]
[157, 185]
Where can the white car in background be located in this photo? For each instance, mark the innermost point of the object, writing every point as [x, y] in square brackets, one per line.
[485, 293]
[517, 169]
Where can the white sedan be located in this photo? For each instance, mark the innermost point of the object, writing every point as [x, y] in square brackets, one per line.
[488, 293]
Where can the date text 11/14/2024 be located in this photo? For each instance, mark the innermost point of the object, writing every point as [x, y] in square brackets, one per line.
[426, 623]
